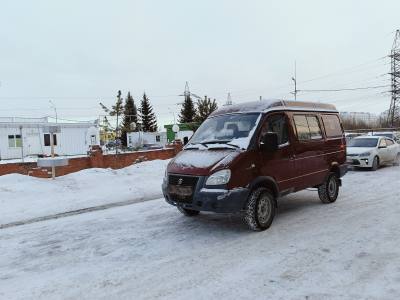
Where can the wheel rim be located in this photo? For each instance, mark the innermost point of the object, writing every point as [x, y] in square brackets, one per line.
[264, 209]
[332, 186]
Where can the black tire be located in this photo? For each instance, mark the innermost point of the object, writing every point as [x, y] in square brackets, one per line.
[188, 212]
[260, 209]
[375, 164]
[397, 160]
[329, 190]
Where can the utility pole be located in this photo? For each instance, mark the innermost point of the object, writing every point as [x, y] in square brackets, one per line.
[55, 109]
[393, 114]
[228, 100]
[295, 82]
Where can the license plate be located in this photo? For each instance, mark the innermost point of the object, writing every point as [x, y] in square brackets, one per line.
[183, 191]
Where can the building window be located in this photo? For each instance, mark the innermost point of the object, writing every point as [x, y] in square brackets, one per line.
[47, 139]
[158, 138]
[15, 141]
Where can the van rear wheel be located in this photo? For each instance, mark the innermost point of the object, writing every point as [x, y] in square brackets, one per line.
[260, 209]
[329, 190]
[188, 212]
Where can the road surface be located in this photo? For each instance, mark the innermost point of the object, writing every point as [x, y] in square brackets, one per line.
[345, 250]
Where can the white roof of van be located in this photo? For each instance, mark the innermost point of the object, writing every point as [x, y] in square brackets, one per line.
[268, 105]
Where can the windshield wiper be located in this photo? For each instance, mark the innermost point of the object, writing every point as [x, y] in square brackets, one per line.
[225, 142]
[215, 142]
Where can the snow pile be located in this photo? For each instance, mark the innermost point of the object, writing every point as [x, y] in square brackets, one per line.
[23, 197]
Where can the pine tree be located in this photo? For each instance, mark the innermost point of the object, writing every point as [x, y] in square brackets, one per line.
[116, 110]
[147, 116]
[204, 108]
[130, 116]
[188, 110]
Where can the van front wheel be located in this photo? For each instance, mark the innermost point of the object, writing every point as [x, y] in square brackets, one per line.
[329, 190]
[260, 209]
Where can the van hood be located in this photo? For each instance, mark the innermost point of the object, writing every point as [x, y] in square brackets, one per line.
[359, 150]
[201, 162]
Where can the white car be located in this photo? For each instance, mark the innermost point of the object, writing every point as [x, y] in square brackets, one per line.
[389, 134]
[372, 151]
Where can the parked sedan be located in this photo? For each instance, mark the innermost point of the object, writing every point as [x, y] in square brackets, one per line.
[390, 134]
[372, 151]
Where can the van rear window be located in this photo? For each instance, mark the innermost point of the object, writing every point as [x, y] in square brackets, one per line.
[332, 126]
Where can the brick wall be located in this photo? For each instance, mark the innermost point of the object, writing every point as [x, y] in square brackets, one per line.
[95, 160]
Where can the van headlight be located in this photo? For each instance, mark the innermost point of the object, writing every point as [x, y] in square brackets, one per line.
[365, 154]
[220, 177]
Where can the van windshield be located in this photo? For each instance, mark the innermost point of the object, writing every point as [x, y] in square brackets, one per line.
[233, 129]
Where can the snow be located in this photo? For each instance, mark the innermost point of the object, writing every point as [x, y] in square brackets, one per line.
[148, 250]
[32, 159]
[199, 158]
[23, 197]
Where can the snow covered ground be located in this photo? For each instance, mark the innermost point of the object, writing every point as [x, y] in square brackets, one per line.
[345, 250]
[23, 197]
[31, 159]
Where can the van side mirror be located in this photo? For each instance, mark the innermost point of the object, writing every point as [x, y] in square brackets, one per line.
[269, 142]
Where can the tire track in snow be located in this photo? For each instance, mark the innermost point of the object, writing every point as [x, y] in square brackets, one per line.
[73, 212]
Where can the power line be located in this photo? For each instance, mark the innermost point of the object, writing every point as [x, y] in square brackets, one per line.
[347, 89]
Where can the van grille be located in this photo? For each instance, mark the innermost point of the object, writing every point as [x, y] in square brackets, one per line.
[181, 188]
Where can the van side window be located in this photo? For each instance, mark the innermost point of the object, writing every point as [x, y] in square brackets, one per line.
[315, 130]
[307, 127]
[303, 133]
[332, 126]
[277, 124]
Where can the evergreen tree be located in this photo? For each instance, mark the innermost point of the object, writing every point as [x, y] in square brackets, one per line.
[147, 116]
[130, 116]
[116, 110]
[188, 110]
[204, 108]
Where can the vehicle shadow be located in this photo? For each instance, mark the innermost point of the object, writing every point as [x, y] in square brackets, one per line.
[288, 206]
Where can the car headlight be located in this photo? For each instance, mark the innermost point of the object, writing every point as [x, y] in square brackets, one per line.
[365, 154]
[220, 177]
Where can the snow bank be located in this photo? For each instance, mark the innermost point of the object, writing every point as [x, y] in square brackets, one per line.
[23, 197]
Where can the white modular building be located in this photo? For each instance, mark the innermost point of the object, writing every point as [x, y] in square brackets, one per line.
[138, 139]
[21, 137]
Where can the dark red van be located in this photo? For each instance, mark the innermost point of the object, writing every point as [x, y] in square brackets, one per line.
[244, 157]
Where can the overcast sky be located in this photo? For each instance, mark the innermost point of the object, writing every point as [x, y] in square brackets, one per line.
[77, 53]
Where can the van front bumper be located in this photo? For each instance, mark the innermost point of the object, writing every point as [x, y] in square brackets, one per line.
[214, 200]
